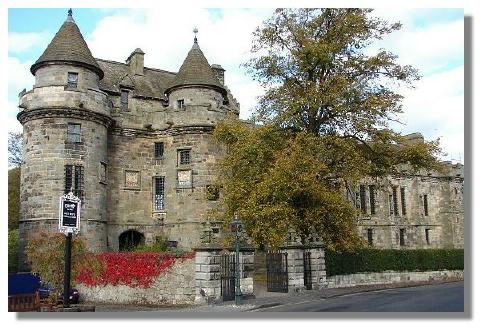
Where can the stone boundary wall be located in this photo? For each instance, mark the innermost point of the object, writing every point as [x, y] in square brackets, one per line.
[176, 285]
[389, 277]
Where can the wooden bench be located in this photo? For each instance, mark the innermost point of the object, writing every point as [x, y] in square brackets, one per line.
[24, 302]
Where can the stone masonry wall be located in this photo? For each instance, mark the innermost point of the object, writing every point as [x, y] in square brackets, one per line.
[176, 285]
[208, 274]
[444, 221]
[185, 208]
[388, 277]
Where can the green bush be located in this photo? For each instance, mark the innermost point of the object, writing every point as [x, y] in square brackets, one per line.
[378, 260]
[45, 253]
[12, 250]
[161, 245]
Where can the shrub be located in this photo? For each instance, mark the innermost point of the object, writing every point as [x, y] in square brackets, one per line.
[378, 260]
[160, 245]
[134, 269]
[46, 255]
[12, 250]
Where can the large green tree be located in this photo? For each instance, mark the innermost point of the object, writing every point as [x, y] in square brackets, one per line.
[323, 126]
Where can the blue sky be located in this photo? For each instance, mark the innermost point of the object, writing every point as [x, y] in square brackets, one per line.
[431, 40]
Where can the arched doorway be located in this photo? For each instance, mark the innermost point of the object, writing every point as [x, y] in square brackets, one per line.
[130, 239]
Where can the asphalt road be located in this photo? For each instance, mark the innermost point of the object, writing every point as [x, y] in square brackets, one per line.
[431, 298]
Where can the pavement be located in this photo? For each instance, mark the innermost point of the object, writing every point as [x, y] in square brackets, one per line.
[266, 301]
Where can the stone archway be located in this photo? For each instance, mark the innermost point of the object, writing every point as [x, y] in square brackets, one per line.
[130, 239]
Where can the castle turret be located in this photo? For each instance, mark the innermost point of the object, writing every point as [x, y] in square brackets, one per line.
[196, 83]
[65, 119]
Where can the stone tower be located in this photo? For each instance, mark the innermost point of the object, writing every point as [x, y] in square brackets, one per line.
[65, 118]
[196, 84]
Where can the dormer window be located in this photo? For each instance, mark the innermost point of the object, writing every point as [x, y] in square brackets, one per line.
[124, 99]
[72, 80]
[181, 103]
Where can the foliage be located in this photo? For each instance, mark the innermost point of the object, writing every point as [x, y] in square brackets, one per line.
[323, 127]
[13, 198]
[160, 245]
[12, 250]
[377, 260]
[320, 80]
[133, 269]
[318, 76]
[277, 182]
[45, 254]
[14, 148]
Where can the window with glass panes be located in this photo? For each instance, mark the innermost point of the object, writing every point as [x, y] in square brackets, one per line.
[371, 189]
[363, 199]
[73, 132]
[159, 150]
[159, 193]
[403, 200]
[184, 156]
[402, 237]
[74, 180]
[180, 104]
[72, 80]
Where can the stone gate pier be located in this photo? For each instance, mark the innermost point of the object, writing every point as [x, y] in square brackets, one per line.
[305, 264]
[208, 272]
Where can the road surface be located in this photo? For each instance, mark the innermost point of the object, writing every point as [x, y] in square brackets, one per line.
[446, 297]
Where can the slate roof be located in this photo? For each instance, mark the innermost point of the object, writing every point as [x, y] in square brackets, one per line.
[152, 84]
[68, 45]
[196, 70]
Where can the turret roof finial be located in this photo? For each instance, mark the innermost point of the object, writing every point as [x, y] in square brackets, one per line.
[70, 16]
[195, 30]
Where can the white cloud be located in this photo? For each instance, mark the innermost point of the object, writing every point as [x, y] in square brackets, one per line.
[21, 42]
[430, 47]
[11, 118]
[19, 76]
[436, 109]
[166, 41]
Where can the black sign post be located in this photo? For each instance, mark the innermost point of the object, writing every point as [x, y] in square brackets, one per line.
[68, 223]
[67, 273]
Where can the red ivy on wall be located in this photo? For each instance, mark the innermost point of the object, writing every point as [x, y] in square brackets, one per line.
[130, 269]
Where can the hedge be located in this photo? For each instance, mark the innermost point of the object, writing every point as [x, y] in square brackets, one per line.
[378, 260]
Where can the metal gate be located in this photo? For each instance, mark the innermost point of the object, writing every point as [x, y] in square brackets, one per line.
[227, 277]
[277, 275]
[307, 270]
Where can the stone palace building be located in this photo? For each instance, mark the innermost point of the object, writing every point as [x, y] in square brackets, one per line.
[134, 143]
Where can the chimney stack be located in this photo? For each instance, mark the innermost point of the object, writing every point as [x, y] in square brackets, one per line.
[135, 61]
[219, 73]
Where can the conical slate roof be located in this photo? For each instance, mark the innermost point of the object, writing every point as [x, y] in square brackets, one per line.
[196, 71]
[68, 46]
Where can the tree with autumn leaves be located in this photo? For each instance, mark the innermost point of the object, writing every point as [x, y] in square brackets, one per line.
[322, 126]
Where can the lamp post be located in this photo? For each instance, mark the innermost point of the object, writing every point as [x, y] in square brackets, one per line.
[237, 228]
